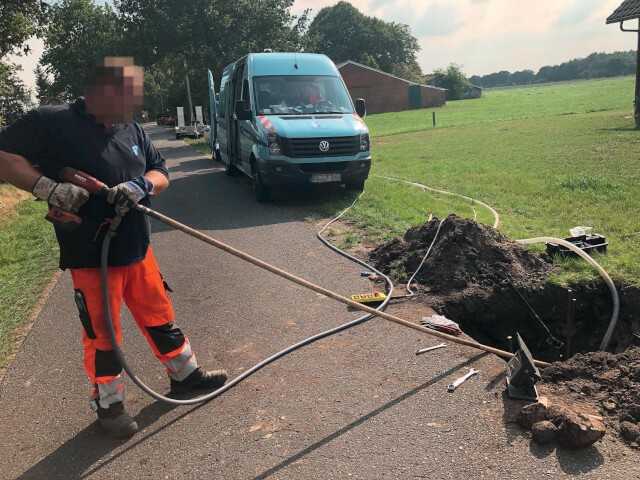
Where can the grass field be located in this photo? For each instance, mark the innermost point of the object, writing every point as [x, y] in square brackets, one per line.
[28, 258]
[547, 158]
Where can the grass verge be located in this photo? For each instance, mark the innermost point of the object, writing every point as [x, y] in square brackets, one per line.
[28, 259]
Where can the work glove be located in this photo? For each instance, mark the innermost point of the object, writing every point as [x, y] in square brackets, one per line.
[127, 194]
[66, 196]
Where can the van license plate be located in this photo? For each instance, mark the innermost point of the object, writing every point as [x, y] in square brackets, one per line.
[325, 177]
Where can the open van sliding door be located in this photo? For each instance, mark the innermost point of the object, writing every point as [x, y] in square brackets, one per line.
[235, 96]
[213, 116]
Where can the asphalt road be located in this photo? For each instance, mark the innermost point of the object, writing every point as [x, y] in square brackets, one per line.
[359, 405]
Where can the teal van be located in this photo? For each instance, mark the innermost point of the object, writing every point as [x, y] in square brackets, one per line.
[286, 120]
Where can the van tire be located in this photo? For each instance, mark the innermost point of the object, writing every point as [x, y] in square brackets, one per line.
[357, 186]
[260, 190]
[230, 169]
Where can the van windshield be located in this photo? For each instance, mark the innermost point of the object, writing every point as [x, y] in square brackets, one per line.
[300, 95]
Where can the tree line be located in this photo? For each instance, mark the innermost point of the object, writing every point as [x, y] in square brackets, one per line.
[173, 38]
[596, 65]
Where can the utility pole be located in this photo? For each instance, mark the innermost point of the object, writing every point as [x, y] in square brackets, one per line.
[190, 103]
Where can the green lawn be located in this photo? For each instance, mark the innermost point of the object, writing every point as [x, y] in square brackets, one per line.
[547, 158]
[541, 101]
[28, 258]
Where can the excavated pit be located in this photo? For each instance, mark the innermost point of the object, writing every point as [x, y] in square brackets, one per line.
[493, 287]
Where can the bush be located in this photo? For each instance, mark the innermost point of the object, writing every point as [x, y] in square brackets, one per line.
[453, 79]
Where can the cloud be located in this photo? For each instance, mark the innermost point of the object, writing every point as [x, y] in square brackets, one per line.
[439, 19]
[577, 12]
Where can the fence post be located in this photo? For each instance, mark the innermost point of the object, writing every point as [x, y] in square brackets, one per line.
[434, 119]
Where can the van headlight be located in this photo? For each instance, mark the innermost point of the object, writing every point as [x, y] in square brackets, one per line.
[274, 144]
[364, 142]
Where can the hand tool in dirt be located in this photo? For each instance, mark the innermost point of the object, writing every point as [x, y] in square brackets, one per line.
[452, 386]
[429, 349]
[522, 374]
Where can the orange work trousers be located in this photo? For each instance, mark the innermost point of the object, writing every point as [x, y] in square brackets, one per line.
[141, 287]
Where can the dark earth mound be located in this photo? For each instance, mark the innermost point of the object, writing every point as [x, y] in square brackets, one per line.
[465, 255]
[612, 381]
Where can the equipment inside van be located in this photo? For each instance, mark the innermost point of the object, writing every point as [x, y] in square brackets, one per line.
[286, 120]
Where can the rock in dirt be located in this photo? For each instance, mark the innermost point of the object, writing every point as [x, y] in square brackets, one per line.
[533, 413]
[575, 430]
[630, 431]
[544, 432]
[466, 254]
[570, 428]
[609, 380]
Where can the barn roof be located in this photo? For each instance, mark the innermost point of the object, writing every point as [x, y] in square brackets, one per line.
[628, 10]
[408, 82]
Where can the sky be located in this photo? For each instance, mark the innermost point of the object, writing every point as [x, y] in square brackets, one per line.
[483, 36]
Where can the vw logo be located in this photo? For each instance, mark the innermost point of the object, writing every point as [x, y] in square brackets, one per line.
[324, 146]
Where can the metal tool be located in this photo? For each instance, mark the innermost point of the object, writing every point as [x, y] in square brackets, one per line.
[452, 387]
[522, 374]
[428, 349]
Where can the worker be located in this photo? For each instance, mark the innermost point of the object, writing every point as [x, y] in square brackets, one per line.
[96, 134]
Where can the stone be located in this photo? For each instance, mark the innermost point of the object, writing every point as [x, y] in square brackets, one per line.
[533, 413]
[576, 430]
[630, 431]
[544, 432]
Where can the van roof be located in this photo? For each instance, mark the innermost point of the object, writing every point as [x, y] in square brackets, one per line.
[277, 63]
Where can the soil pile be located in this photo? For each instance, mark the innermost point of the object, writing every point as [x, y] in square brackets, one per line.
[465, 255]
[610, 380]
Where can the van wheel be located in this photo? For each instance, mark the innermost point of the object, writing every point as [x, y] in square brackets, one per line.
[229, 168]
[260, 190]
[357, 186]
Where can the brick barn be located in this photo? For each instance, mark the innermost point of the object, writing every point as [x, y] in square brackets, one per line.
[384, 92]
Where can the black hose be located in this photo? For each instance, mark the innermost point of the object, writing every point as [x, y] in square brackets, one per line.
[104, 276]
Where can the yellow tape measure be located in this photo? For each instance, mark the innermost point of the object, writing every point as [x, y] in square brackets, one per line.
[369, 297]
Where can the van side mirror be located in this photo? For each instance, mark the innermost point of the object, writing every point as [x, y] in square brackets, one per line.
[361, 107]
[242, 112]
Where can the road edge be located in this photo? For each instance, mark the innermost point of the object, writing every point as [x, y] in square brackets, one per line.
[22, 332]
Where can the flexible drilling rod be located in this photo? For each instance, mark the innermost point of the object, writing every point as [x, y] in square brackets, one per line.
[317, 288]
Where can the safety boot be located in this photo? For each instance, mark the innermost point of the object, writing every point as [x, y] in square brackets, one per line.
[199, 380]
[116, 421]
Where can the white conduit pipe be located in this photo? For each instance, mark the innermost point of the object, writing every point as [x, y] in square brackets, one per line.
[581, 253]
[605, 276]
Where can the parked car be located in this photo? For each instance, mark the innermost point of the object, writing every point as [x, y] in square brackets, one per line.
[286, 119]
[166, 119]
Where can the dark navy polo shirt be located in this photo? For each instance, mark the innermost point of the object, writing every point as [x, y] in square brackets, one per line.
[54, 137]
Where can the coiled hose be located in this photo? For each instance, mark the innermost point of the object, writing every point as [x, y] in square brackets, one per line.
[104, 275]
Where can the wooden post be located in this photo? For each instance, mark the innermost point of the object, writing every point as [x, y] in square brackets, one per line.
[434, 113]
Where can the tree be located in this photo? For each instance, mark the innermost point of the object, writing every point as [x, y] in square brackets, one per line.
[19, 21]
[79, 34]
[343, 33]
[193, 36]
[453, 79]
[15, 98]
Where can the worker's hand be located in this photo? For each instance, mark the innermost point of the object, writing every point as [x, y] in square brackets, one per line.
[66, 196]
[127, 194]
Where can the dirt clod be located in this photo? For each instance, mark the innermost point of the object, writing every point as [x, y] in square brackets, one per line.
[544, 432]
[611, 381]
[629, 431]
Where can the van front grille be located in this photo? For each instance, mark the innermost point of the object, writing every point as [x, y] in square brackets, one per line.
[310, 147]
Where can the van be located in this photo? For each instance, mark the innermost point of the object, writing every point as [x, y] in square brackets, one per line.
[286, 120]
